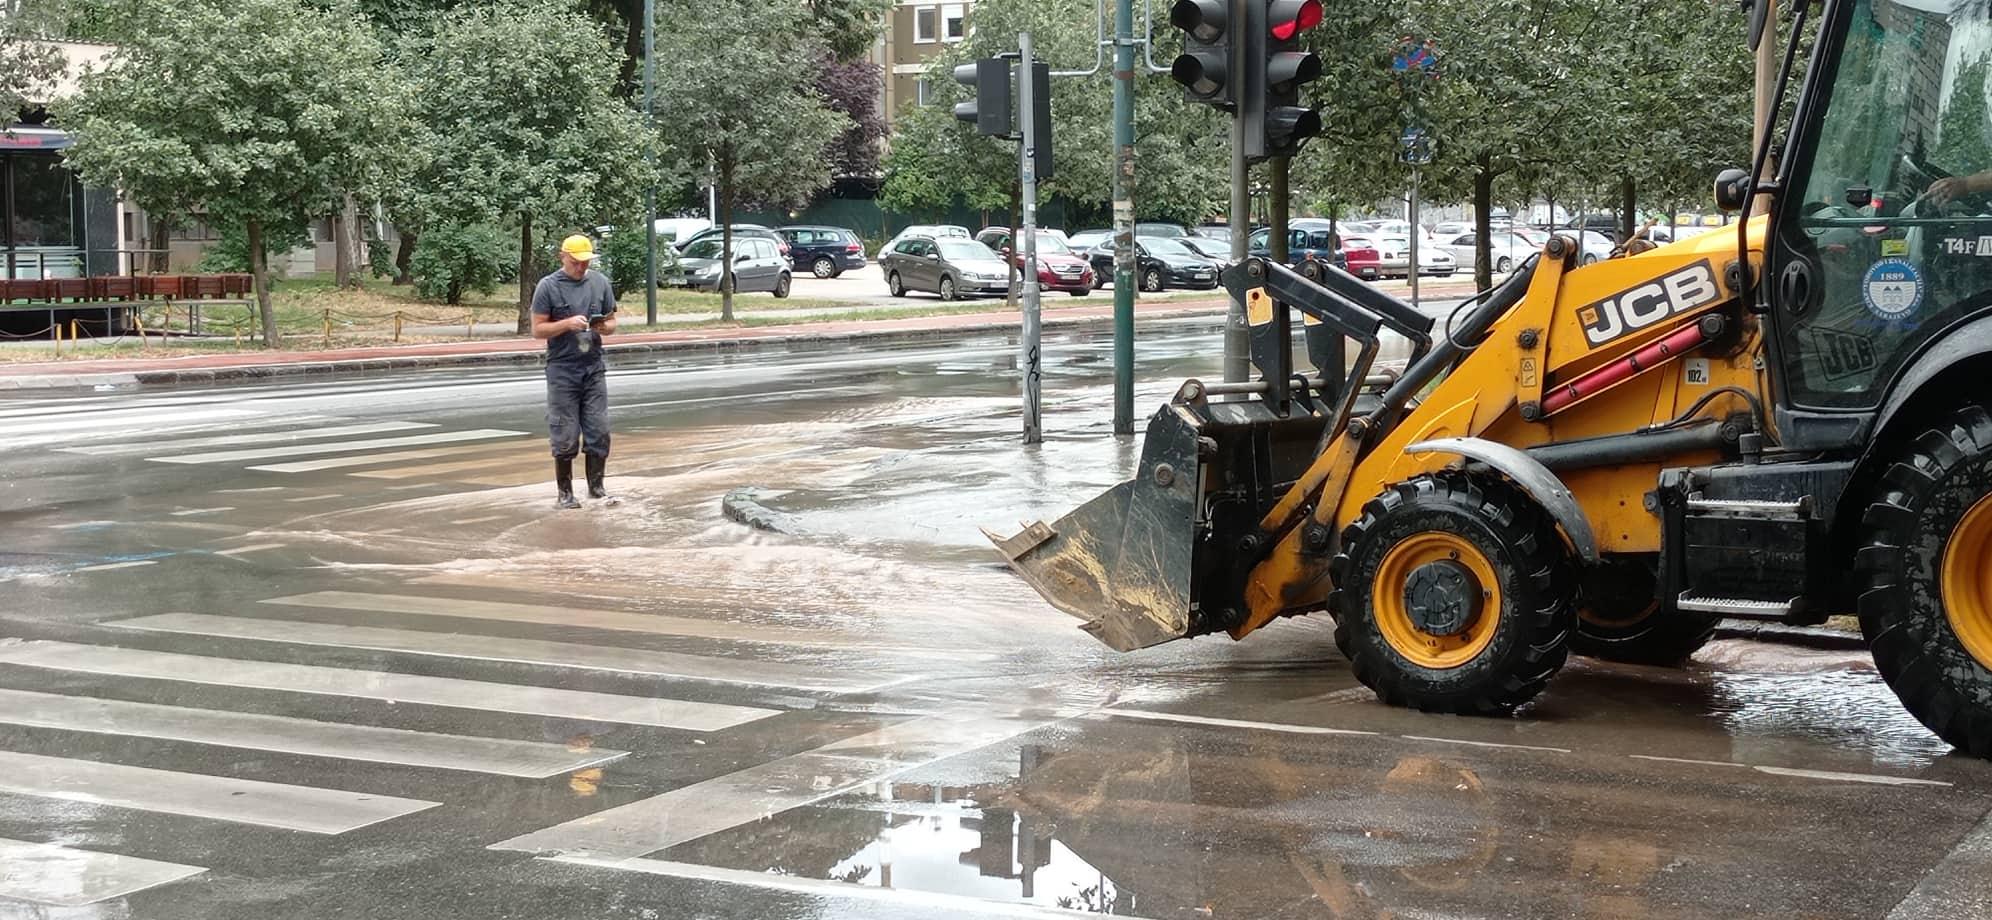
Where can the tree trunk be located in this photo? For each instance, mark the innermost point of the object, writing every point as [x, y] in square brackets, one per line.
[726, 240]
[1483, 205]
[259, 269]
[160, 242]
[525, 273]
[1628, 202]
[342, 246]
[404, 257]
[1016, 241]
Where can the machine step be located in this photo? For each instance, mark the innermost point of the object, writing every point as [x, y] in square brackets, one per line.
[1753, 510]
[1742, 608]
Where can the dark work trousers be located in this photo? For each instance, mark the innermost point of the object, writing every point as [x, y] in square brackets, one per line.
[577, 409]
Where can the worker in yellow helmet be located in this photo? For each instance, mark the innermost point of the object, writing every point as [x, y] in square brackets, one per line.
[572, 309]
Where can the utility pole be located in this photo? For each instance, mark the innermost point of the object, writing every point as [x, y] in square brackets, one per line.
[650, 194]
[1027, 165]
[1237, 336]
[1123, 192]
[1414, 233]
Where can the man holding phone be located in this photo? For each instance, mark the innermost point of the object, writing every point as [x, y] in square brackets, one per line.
[572, 309]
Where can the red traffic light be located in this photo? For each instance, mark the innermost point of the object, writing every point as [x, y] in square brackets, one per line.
[1289, 18]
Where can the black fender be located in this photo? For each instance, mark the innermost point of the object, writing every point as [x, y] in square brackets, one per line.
[1528, 474]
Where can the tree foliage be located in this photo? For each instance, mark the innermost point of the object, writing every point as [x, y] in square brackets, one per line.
[257, 111]
[27, 62]
[852, 89]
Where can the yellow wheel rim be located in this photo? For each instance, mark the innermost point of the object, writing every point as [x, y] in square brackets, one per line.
[1967, 581]
[1393, 613]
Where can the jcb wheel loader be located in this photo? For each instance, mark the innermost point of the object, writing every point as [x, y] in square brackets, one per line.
[1785, 419]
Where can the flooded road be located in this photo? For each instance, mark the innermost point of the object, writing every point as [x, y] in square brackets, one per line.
[326, 650]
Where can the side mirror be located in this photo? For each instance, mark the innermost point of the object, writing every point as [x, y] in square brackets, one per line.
[1732, 189]
[1759, 11]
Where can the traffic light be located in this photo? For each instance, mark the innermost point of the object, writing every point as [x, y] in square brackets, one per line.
[1275, 121]
[1204, 67]
[989, 110]
[1040, 116]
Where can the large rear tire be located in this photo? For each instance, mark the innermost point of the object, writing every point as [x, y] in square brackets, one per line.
[1454, 594]
[1926, 564]
[1620, 618]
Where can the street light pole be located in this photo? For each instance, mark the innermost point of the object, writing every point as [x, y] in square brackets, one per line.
[1123, 191]
[650, 193]
[1027, 167]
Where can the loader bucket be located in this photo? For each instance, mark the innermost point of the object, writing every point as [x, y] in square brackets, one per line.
[1122, 562]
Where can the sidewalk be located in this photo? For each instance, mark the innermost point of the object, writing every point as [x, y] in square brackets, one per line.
[193, 369]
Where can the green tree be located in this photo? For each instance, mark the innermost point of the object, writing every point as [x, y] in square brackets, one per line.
[518, 124]
[27, 62]
[258, 111]
[745, 102]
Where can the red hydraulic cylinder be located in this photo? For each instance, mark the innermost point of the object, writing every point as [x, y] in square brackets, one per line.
[1673, 346]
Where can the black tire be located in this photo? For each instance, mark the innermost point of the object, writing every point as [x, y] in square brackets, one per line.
[1529, 635]
[823, 267]
[1151, 281]
[1911, 522]
[782, 285]
[1504, 265]
[947, 287]
[896, 286]
[1620, 618]
[1099, 280]
[1079, 293]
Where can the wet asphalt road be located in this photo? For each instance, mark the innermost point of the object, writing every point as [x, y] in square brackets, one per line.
[325, 650]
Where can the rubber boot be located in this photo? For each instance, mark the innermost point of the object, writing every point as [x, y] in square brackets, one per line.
[597, 467]
[563, 476]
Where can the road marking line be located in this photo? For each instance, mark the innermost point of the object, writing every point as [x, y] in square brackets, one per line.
[495, 461]
[941, 904]
[286, 735]
[116, 565]
[464, 523]
[448, 692]
[197, 795]
[691, 812]
[1832, 776]
[1228, 723]
[1705, 763]
[1486, 744]
[256, 489]
[336, 447]
[613, 620]
[336, 463]
[261, 437]
[190, 512]
[123, 422]
[314, 498]
[43, 873]
[614, 659]
[252, 548]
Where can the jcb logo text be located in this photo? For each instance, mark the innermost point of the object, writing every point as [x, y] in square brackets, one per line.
[1688, 289]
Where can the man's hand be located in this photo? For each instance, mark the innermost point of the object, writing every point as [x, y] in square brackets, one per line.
[1950, 187]
[576, 323]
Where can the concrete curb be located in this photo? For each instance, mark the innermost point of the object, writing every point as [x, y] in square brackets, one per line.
[1831, 640]
[619, 354]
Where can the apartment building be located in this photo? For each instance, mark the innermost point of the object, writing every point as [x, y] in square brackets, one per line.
[914, 33]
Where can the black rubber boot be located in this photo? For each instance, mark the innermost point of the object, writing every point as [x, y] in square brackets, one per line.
[597, 467]
[563, 476]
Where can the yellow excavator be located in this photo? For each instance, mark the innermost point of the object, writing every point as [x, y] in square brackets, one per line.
[1785, 419]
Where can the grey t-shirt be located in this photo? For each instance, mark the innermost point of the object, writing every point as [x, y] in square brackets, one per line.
[559, 297]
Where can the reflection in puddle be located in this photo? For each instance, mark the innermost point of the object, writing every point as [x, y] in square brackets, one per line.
[918, 837]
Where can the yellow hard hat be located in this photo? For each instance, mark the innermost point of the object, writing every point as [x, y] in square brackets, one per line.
[578, 246]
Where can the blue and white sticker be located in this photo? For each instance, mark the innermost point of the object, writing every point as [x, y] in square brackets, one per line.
[1892, 289]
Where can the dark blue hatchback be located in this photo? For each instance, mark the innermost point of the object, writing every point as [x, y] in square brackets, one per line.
[825, 252]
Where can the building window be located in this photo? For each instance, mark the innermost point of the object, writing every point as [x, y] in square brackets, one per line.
[954, 23]
[926, 24]
[923, 92]
[44, 202]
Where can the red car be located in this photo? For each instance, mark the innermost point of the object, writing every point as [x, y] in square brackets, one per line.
[1362, 258]
[1059, 268]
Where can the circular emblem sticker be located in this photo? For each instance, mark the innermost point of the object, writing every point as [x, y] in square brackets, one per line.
[1892, 289]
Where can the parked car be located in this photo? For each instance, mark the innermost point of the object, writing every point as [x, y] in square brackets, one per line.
[1211, 248]
[1401, 229]
[1161, 230]
[1604, 224]
[1059, 268]
[1084, 241]
[825, 252]
[1593, 246]
[757, 265]
[1396, 253]
[1308, 239]
[931, 231]
[740, 232]
[1361, 258]
[1160, 263]
[948, 266]
[1506, 251]
[1448, 228]
[673, 229]
[1219, 232]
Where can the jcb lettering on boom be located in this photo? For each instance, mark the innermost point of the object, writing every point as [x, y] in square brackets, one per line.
[1627, 312]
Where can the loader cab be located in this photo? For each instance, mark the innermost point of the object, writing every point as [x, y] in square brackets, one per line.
[1882, 233]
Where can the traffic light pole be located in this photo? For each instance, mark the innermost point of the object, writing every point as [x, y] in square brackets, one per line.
[650, 193]
[1033, 356]
[1237, 337]
[1123, 191]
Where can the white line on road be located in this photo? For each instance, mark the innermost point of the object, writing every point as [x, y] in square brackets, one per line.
[313, 498]
[196, 795]
[262, 437]
[42, 873]
[334, 463]
[286, 735]
[112, 566]
[191, 512]
[523, 651]
[1704, 763]
[1832, 776]
[1488, 744]
[938, 903]
[448, 692]
[246, 550]
[1228, 723]
[331, 447]
[469, 521]
[690, 812]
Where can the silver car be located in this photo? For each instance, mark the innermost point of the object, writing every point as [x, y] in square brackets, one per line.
[953, 268]
[757, 266]
[1506, 251]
